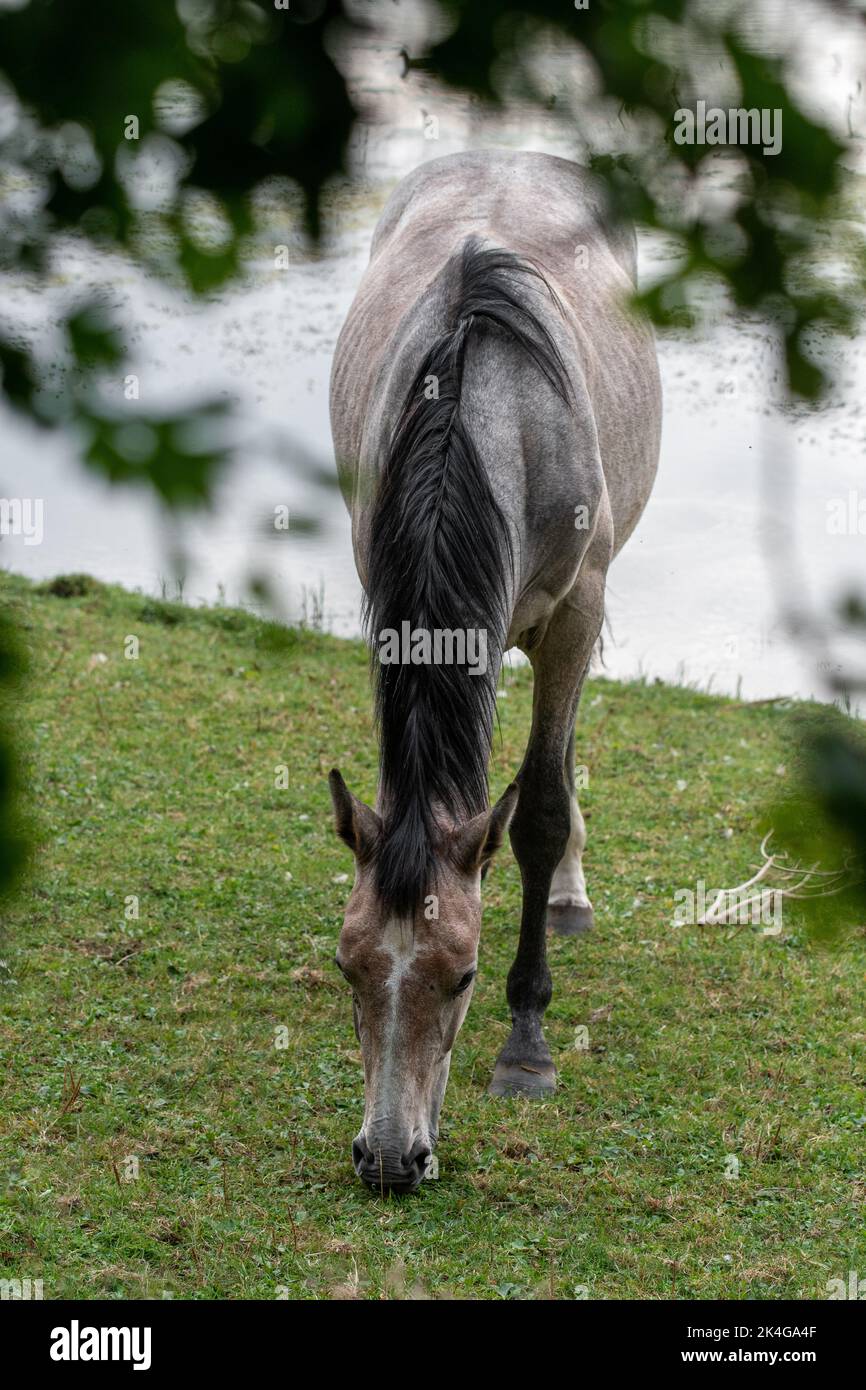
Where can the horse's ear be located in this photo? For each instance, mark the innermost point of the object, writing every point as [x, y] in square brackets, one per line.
[474, 844]
[357, 823]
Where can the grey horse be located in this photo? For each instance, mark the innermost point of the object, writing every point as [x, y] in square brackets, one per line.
[496, 414]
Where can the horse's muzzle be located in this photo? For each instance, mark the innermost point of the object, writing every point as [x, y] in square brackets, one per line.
[387, 1171]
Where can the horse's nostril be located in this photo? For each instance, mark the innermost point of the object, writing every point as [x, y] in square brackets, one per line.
[361, 1155]
[417, 1158]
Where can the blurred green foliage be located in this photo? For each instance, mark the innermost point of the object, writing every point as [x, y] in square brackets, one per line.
[822, 820]
[83, 88]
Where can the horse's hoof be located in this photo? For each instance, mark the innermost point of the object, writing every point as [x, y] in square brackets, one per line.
[570, 919]
[516, 1079]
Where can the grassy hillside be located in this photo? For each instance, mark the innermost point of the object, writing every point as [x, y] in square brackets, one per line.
[155, 1141]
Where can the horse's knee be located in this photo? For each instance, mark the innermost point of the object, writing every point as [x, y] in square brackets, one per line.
[541, 828]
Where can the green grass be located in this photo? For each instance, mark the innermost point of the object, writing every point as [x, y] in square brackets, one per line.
[154, 778]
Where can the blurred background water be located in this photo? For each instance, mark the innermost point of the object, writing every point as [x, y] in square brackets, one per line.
[696, 594]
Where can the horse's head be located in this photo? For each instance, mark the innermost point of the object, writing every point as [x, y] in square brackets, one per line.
[411, 980]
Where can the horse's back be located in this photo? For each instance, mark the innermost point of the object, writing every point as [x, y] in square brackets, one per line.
[550, 212]
[548, 204]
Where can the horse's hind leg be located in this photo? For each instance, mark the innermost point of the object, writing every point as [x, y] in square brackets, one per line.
[569, 911]
[542, 828]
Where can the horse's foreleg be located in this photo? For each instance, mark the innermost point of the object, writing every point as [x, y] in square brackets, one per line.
[539, 834]
[543, 828]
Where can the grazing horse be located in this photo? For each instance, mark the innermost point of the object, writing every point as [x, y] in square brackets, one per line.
[496, 412]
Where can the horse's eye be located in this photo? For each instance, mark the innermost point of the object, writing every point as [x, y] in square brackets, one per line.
[466, 981]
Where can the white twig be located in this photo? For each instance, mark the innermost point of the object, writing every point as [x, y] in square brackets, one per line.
[730, 904]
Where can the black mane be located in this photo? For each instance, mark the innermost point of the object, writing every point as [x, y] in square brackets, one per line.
[440, 557]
